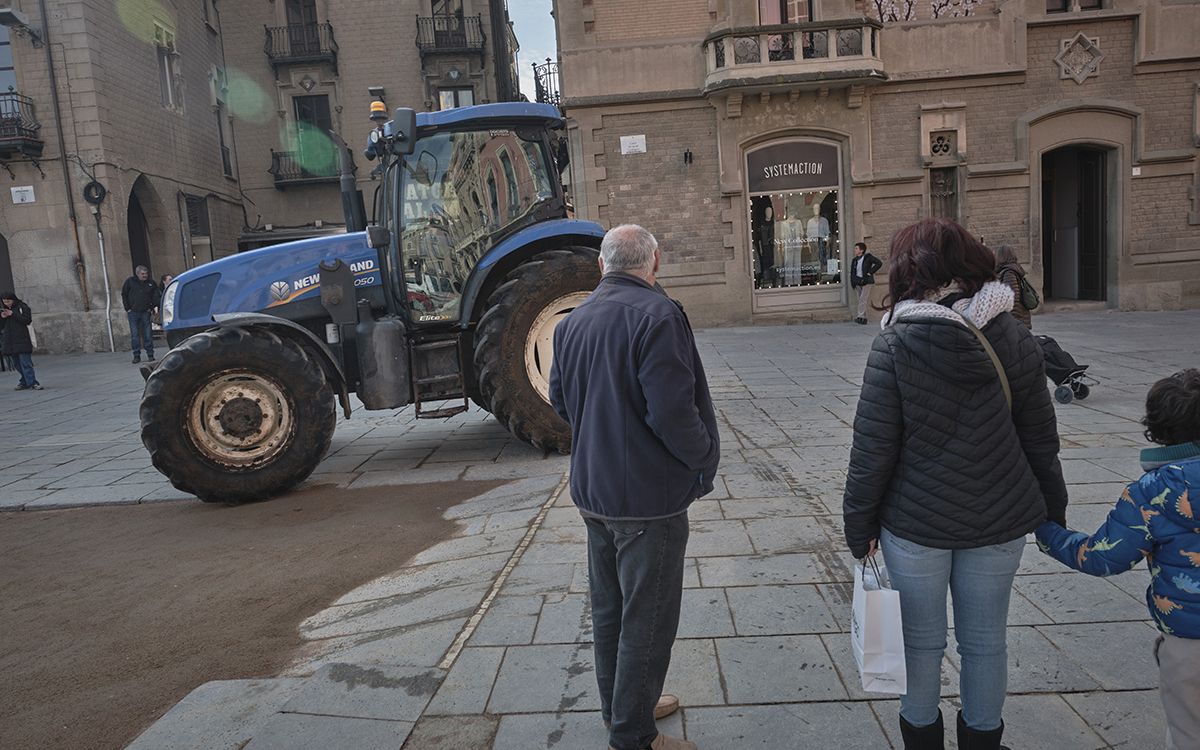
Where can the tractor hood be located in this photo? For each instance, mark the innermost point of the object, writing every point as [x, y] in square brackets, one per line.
[269, 277]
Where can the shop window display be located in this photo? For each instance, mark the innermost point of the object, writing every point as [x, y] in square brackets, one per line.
[795, 239]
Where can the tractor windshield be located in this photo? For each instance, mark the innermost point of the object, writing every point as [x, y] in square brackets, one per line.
[463, 191]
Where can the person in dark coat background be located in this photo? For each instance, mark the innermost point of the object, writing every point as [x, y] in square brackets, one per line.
[947, 475]
[1011, 272]
[627, 378]
[141, 296]
[862, 278]
[15, 341]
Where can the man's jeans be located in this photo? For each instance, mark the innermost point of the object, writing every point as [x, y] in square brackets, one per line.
[24, 364]
[635, 569]
[140, 335]
[980, 581]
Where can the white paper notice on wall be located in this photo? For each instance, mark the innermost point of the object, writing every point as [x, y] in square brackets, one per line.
[23, 194]
[633, 144]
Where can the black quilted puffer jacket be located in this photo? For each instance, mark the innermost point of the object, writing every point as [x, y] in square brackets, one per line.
[938, 459]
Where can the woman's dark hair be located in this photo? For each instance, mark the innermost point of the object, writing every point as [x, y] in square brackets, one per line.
[1005, 254]
[932, 253]
[8, 295]
[1173, 409]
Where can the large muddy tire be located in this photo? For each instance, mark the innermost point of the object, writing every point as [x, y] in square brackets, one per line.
[514, 342]
[236, 415]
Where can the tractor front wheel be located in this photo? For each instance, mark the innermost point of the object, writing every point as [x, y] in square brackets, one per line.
[514, 344]
[237, 414]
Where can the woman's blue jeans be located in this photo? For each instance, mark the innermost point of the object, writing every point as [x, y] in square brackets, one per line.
[980, 581]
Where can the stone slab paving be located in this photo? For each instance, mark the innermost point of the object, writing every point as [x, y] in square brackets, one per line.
[484, 640]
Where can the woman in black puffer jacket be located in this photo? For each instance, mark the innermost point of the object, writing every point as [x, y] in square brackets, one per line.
[944, 476]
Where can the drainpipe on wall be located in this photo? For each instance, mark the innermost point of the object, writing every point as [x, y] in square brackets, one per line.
[80, 265]
[112, 345]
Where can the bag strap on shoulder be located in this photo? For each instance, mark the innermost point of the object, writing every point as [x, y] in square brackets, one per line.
[991, 352]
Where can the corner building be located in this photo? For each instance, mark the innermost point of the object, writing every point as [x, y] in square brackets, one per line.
[760, 139]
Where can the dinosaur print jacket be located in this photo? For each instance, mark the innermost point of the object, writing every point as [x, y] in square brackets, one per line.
[1156, 518]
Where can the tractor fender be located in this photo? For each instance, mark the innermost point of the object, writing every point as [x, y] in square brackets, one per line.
[302, 336]
[491, 269]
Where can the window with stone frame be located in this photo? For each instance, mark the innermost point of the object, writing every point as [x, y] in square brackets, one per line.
[168, 68]
[943, 193]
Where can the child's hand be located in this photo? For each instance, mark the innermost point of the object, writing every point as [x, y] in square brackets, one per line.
[1042, 535]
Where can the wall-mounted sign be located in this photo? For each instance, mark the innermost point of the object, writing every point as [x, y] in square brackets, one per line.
[792, 165]
[23, 194]
[633, 144]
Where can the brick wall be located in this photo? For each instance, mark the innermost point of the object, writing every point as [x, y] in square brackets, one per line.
[679, 203]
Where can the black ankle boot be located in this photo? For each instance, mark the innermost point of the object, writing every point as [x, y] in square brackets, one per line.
[973, 739]
[931, 737]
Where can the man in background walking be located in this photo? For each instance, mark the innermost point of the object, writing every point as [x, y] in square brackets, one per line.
[862, 277]
[628, 379]
[140, 296]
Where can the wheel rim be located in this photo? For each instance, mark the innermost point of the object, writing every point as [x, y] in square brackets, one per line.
[240, 419]
[539, 343]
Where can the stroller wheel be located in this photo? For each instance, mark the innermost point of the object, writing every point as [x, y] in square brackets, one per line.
[1063, 394]
[1081, 390]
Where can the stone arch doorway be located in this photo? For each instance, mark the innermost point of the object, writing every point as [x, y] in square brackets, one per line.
[7, 282]
[146, 227]
[1076, 222]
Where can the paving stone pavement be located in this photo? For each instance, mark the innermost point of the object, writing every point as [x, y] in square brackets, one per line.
[484, 640]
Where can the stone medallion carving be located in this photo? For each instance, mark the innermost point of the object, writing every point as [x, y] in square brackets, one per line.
[1079, 58]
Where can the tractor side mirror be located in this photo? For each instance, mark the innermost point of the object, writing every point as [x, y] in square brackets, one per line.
[403, 130]
[378, 237]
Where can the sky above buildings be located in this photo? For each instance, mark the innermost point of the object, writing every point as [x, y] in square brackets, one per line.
[535, 33]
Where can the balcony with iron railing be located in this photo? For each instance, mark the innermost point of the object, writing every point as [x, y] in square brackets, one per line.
[545, 82]
[450, 35]
[799, 55]
[20, 131]
[301, 43]
[307, 167]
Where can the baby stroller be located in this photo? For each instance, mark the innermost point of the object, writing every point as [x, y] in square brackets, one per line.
[1065, 372]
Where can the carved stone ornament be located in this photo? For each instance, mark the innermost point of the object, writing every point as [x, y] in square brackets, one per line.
[307, 83]
[1079, 58]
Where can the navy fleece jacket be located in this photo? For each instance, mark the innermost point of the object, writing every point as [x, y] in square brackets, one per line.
[628, 379]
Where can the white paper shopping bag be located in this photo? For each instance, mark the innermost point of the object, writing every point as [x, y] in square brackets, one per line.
[876, 631]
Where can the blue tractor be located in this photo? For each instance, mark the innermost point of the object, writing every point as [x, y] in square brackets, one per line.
[452, 294]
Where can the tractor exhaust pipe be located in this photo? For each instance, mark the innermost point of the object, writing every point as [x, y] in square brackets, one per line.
[352, 200]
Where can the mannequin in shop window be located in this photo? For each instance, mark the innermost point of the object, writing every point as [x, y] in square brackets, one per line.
[818, 232]
[791, 231]
[765, 241]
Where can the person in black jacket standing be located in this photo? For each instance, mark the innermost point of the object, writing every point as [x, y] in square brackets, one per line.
[15, 341]
[628, 379]
[141, 296]
[954, 461]
[862, 278]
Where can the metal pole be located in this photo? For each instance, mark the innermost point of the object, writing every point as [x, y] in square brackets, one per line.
[112, 345]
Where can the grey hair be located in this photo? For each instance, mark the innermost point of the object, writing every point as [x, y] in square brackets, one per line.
[139, 269]
[1005, 254]
[628, 248]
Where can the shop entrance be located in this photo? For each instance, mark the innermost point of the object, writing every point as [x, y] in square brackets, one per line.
[1075, 220]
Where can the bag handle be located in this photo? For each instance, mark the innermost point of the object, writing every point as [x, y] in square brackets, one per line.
[987, 347]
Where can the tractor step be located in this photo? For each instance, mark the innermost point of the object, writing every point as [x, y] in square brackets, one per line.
[451, 378]
[443, 413]
[431, 345]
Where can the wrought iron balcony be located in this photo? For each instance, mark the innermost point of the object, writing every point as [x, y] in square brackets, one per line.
[450, 35]
[797, 55]
[302, 168]
[301, 42]
[545, 81]
[20, 131]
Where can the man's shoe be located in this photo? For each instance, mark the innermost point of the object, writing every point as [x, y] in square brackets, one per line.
[150, 357]
[137, 358]
[667, 705]
[973, 739]
[21, 387]
[38, 387]
[663, 742]
[931, 737]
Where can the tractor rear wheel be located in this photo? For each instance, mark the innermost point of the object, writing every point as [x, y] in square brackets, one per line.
[514, 342]
[237, 414]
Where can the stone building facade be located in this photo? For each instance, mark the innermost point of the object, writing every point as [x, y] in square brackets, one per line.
[760, 139]
[203, 121]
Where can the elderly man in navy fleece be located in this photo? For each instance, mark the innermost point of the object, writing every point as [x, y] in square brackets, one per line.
[628, 379]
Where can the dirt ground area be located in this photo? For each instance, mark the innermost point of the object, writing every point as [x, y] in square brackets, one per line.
[109, 616]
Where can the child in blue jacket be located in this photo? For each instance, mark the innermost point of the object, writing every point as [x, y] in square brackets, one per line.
[1155, 520]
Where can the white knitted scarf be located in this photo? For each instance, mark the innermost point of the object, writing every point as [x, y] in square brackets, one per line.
[993, 299]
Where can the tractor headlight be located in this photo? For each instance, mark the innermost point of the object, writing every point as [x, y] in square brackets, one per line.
[168, 304]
